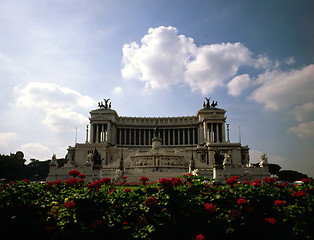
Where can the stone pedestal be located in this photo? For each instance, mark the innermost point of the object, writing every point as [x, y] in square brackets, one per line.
[156, 143]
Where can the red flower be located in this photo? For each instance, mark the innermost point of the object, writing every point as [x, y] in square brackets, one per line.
[105, 180]
[80, 181]
[165, 182]
[151, 202]
[256, 183]
[144, 179]
[270, 180]
[71, 181]
[280, 203]
[232, 180]
[82, 175]
[298, 194]
[94, 185]
[305, 180]
[271, 220]
[127, 190]
[69, 204]
[200, 237]
[74, 173]
[124, 177]
[26, 181]
[97, 223]
[234, 214]
[246, 182]
[241, 201]
[248, 209]
[210, 207]
[57, 182]
[49, 228]
[125, 223]
[176, 181]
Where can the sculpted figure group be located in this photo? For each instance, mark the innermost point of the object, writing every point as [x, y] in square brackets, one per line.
[208, 105]
[106, 105]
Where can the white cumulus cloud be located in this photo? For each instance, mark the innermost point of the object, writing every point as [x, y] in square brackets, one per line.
[303, 130]
[6, 138]
[304, 112]
[238, 84]
[60, 105]
[165, 58]
[36, 150]
[280, 90]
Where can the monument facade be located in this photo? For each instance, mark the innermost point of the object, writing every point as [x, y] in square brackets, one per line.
[158, 147]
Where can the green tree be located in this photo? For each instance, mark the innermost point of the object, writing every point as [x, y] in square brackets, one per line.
[274, 169]
[290, 175]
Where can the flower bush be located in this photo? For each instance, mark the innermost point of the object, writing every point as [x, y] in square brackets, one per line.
[187, 207]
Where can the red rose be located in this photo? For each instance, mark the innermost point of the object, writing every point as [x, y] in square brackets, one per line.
[166, 182]
[49, 228]
[200, 237]
[256, 183]
[124, 177]
[232, 180]
[270, 180]
[246, 182]
[57, 182]
[71, 181]
[176, 181]
[210, 207]
[97, 223]
[74, 173]
[94, 185]
[144, 179]
[105, 180]
[69, 204]
[271, 220]
[305, 180]
[127, 190]
[26, 181]
[280, 203]
[298, 194]
[234, 214]
[241, 201]
[82, 175]
[151, 202]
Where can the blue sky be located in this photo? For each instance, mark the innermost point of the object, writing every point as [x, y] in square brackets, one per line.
[158, 58]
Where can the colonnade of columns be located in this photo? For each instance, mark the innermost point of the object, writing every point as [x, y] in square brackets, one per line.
[100, 133]
[206, 132]
[169, 136]
[214, 132]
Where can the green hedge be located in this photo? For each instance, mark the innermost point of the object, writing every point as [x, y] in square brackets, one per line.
[188, 207]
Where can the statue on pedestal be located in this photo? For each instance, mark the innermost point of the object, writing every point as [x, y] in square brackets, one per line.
[106, 105]
[54, 160]
[156, 130]
[264, 160]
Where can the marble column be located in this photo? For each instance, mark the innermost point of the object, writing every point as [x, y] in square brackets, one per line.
[163, 136]
[193, 134]
[149, 137]
[97, 133]
[91, 134]
[217, 131]
[223, 132]
[211, 137]
[108, 134]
